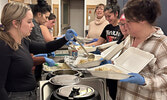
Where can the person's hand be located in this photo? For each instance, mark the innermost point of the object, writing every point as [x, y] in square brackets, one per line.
[69, 34]
[41, 55]
[105, 61]
[49, 61]
[52, 54]
[135, 78]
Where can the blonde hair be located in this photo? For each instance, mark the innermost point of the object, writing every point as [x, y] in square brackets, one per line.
[12, 11]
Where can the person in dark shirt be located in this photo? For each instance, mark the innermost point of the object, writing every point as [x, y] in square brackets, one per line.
[16, 79]
[41, 12]
[111, 32]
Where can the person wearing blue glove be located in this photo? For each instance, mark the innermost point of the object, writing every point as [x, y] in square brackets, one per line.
[105, 61]
[135, 78]
[151, 82]
[69, 34]
[52, 54]
[41, 55]
[49, 61]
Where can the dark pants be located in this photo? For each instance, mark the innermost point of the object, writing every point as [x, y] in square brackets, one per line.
[112, 85]
[29, 95]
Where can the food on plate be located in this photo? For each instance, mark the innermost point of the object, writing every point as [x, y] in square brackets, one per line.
[54, 68]
[108, 69]
[82, 61]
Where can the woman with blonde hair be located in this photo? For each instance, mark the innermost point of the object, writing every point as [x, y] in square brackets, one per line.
[16, 79]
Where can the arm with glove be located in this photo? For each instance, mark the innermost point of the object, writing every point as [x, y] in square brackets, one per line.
[135, 78]
[50, 62]
[52, 54]
[70, 34]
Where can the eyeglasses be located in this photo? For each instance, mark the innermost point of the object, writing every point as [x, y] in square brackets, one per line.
[121, 24]
[100, 8]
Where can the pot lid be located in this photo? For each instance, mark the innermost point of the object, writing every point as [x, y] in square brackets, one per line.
[75, 91]
[65, 80]
[65, 72]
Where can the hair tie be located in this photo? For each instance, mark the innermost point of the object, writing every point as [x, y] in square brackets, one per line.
[2, 28]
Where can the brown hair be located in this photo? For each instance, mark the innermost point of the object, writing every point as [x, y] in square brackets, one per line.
[12, 11]
[113, 9]
[99, 6]
[140, 10]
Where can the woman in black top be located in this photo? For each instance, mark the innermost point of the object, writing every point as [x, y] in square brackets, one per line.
[112, 31]
[16, 79]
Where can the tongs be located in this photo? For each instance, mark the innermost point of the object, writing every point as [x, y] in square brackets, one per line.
[90, 56]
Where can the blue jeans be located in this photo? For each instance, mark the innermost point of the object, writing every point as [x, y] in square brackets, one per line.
[29, 95]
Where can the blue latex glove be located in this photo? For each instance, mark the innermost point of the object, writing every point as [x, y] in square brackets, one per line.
[135, 78]
[49, 61]
[97, 51]
[74, 43]
[105, 61]
[69, 34]
[52, 54]
[41, 55]
[94, 40]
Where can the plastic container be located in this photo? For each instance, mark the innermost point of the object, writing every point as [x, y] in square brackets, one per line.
[132, 60]
[106, 45]
[88, 49]
[87, 64]
[112, 51]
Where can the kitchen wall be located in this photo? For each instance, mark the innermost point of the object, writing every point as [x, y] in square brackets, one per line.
[2, 3]
[88, 2]
[95, 2]
[161, 19]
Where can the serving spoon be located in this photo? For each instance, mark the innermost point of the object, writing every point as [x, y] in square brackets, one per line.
[90, 56]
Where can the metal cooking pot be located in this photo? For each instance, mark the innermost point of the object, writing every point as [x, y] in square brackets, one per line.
[75, 92]
[63, 72]
[62, 80]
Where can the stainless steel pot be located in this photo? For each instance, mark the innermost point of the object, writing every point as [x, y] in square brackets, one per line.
[75, 92]
[63, 72]
[62, 80]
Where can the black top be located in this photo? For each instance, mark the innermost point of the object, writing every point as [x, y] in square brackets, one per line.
[111, 33]
[36, 33]
[16, 66]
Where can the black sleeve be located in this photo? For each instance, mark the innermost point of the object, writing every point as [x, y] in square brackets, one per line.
[36, 47]
[103, 34]
[5, 59]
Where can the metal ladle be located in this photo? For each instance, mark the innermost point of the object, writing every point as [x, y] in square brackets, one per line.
[90, 56]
